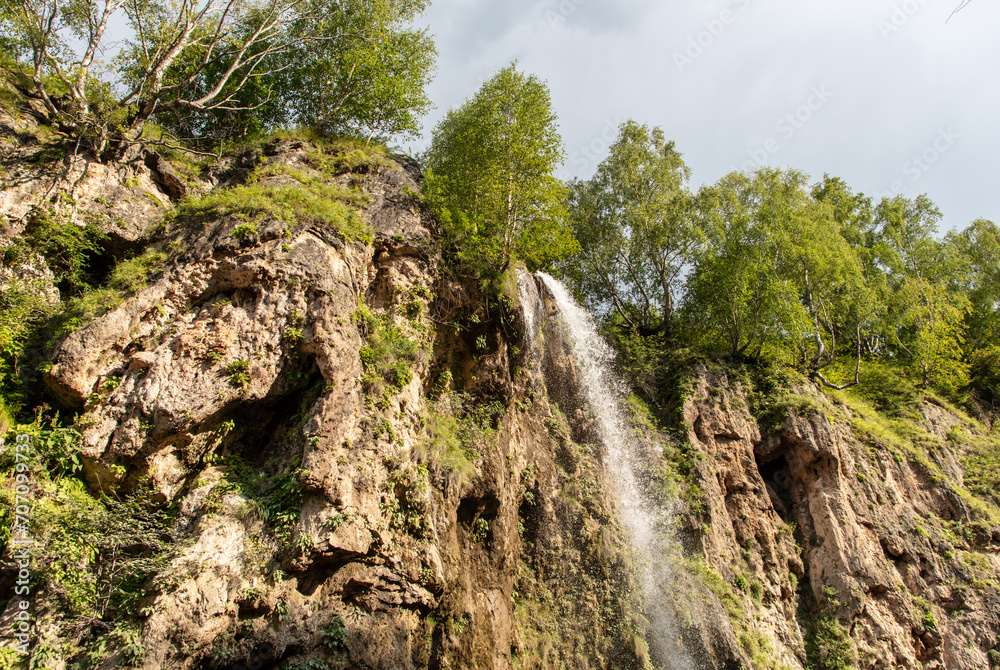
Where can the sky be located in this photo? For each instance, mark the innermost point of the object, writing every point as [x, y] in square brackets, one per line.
[890, 95]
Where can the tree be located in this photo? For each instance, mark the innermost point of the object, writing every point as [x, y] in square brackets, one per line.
[373, 78]
[925, 322]
[978, 251]
[905, 236]
[633, 224]
[491, 176]
[737, 296]
[825, 269]
[855, 215]
[192, 61]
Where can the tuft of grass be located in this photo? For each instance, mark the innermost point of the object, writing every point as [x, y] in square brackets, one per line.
[245, 230]
[128, 277]
[314, 203]
[829, 647]
[239, 373]
[388, 357]
[442, 446]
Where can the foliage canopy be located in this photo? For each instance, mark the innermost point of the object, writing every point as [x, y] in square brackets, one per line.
[491, 175]
[634, 229]
[210, 70]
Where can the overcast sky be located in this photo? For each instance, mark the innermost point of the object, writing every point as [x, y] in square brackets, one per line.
[883, 93]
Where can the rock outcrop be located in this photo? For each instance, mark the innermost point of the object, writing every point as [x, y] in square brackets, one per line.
[821, 515]
[253, 358]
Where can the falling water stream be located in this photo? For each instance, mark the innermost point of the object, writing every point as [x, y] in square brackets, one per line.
[648, 524]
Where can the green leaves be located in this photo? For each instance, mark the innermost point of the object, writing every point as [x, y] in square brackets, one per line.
[741, 291]
[633, 224]
[211, 71]
[490, 176]
[931, 329]
[365, 71]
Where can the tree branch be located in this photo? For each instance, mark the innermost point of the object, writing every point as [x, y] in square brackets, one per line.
[961, 6]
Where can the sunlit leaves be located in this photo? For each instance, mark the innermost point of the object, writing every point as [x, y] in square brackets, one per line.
[491, 176]
[635, 230]
[212, 70]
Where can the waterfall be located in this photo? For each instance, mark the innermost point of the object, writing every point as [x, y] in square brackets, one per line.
[648, 524]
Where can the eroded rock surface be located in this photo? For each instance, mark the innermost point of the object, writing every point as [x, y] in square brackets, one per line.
[249, 354]
[823, 517]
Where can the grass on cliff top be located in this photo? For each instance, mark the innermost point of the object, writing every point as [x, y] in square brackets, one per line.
[311, 199]
[294, 204]
[900, 431]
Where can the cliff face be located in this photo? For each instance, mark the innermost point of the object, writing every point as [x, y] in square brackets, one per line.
[375, 465]
[365, 464]
[846, 528]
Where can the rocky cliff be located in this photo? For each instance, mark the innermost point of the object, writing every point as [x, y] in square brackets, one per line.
[848, 536]
[373, 462]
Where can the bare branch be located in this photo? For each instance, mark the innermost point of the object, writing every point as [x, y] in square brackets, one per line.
[961, 6]
[96, 35]
[263, 30]
[177, 147]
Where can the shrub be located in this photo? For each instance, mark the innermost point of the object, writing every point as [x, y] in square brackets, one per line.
[128, 276]
[66, 246]
[126, 639]
[984, 372]
[981, 460]
[407, 506]
[245, 230]
[756, 590]
[22, 305]
[886, 388]
[387, 357]
[281, 503]
[443, 447]
[99, 554]
[829, 647]
[479, 530]
[335, 633]
[239, 373]
[640, 359]
[276, 498]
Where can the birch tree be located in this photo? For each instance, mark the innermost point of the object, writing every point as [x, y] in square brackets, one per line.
[635, 230]
[197, 58]
[491, 176]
